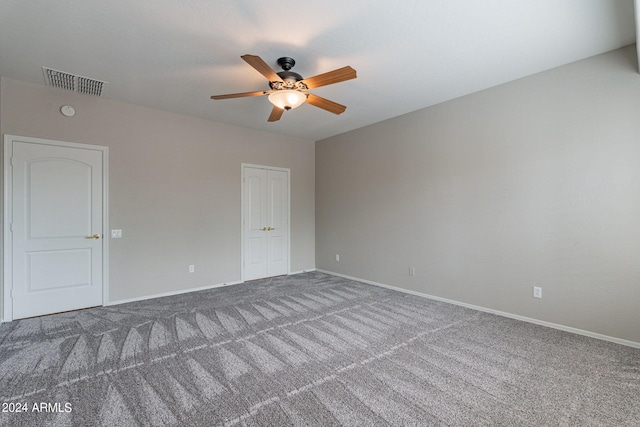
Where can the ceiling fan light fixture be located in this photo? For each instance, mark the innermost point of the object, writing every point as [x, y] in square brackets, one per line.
[289, 89]
[287, 99]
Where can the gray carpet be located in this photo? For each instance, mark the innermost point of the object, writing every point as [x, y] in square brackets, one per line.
[310, 349]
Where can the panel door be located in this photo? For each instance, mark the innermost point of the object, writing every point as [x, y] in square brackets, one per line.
[57, 236]
[266, 222]
[277, 223]
[255, 235]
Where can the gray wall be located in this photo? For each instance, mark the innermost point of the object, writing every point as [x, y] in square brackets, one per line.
[174, 185]
[535, 182]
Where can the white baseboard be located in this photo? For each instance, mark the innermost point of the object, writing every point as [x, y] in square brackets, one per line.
[170, 293]
[497, 312]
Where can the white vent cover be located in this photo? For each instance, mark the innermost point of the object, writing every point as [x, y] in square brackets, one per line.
[68, 81]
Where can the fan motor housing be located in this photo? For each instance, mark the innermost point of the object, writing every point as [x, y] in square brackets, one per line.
[290, 75]
[290, 79]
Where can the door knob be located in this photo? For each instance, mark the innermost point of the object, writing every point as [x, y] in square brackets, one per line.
[264, 229]
[269, 228]
[94, 236]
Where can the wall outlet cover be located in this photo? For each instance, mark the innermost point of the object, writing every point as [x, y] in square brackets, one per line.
[537, 292]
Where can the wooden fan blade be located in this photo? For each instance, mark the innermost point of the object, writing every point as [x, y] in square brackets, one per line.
[275, 115]
[325, 104]
[335, 76]
[262, 67]
[240, 95]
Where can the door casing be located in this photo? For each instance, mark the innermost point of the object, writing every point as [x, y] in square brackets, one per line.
[7, 259]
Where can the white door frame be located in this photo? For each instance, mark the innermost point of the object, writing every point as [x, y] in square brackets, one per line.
[7, 285]
[242, 214]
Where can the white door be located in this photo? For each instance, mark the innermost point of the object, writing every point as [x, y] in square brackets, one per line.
[266, 222]
[56, 227]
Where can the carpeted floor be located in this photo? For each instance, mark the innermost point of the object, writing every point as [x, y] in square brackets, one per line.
[309, 349]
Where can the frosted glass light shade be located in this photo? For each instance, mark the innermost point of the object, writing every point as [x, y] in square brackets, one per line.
[287, 99]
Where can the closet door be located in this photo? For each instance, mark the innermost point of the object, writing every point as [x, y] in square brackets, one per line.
[265, 222]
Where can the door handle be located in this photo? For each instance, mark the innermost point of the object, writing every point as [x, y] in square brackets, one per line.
[269, 228]
[93, 236]
[264, 229]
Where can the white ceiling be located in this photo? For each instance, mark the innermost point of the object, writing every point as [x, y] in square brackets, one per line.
[174, 54]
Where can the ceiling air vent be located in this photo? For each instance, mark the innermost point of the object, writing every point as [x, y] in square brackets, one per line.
[63, 80]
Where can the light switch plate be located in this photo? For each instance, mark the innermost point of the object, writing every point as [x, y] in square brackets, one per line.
[116, 234]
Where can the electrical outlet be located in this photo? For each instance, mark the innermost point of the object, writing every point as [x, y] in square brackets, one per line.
[537, 292]
[412, 271]
[192, 268]
[337, 257]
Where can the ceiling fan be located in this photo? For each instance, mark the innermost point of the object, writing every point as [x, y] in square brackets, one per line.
[289, 89]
